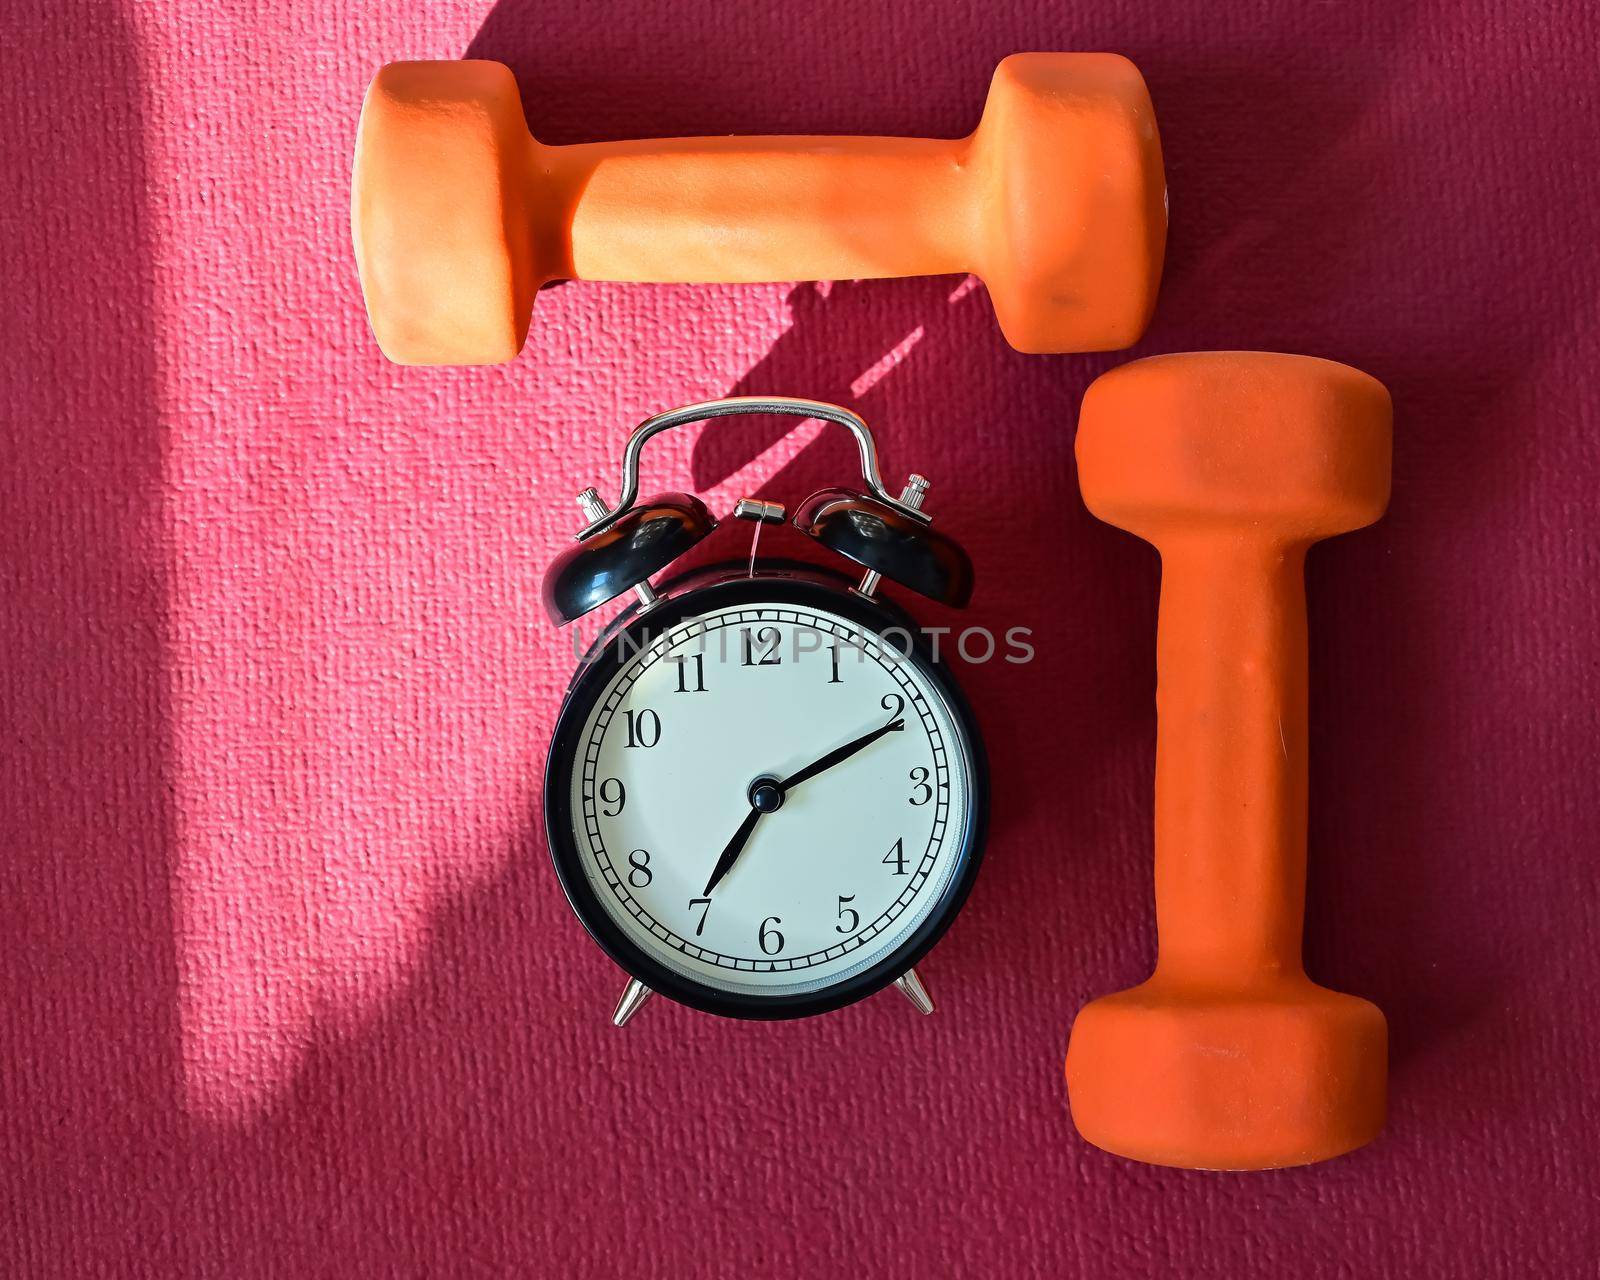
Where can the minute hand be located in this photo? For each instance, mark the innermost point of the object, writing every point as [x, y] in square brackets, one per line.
[840, 754]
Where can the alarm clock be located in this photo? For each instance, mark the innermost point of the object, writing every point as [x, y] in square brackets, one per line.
[766, 796]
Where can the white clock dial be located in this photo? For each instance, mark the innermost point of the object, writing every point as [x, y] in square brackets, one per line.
[847, 862]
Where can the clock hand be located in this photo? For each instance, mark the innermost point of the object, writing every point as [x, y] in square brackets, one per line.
[767, 794]
[840, 754]
[731, 853]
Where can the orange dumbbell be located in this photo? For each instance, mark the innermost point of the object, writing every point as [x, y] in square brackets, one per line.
[1229, 1057]
[1057, 201]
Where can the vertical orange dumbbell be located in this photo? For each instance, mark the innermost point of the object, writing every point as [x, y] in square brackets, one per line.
[1229, 1057]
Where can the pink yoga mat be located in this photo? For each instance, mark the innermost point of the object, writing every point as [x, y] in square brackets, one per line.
[290, 987]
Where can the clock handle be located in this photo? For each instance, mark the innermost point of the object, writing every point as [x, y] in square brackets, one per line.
[708, 409]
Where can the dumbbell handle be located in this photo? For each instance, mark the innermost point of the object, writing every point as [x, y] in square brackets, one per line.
[745, 210]
[1231, 744]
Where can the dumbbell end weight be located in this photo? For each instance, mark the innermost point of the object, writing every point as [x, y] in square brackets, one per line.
[1280, 1074]
[1073, 211]
[1230, 1057]
[1057, 201]
[443, 241]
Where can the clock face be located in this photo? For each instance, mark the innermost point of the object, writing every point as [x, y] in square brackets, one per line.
[768, 802]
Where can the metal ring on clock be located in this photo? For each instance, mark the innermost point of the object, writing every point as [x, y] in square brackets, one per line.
[707, 409]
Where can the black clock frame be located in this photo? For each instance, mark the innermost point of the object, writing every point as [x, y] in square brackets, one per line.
[702, 592]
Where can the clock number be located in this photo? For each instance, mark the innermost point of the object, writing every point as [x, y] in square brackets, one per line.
[644, 728]
[770, 936]
[897, 856]
[612, 792]
[919, 780]
[705, 909]
[855, 916]
[894, 704]
[683, 672]
[640, 875]
[834, 678]
[768, 636]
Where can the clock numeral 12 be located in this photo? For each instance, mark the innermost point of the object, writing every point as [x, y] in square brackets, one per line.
[769, 636]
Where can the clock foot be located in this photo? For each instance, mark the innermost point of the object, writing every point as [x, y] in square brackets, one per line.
[912, 989]
[633, 999]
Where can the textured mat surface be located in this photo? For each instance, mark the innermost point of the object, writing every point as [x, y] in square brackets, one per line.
[289, 986]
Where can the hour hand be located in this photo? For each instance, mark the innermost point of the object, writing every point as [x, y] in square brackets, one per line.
[731, 854]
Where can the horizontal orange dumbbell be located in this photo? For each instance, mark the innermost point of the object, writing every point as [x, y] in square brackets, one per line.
[1057, 201]
[1229, 1057]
